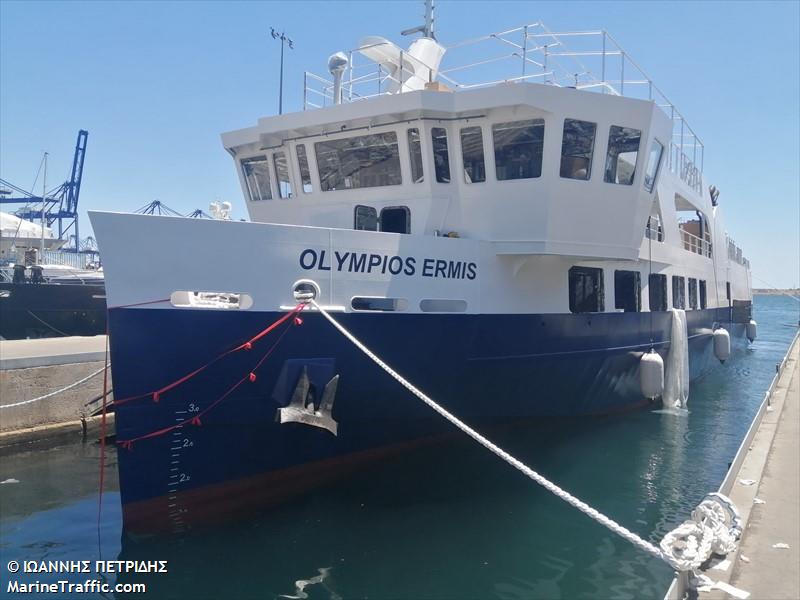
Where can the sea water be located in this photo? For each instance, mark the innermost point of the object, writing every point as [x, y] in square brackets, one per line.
[442, 522]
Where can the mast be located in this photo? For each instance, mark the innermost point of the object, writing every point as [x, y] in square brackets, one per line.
[427, 28]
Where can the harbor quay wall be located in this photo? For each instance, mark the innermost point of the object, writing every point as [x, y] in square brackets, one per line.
[19, 385]
[31, 369]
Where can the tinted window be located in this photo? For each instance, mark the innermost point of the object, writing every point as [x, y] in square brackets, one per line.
[692, 292]
[441, 155]
[518, 149]
[415, 155]
[379, 304]
[577, 146]
[358, 162]
[703, 297]
[366, 218]
[282, 175]
[305, 173]
[623, 148]
[678, 292]
[656, 150]
[396, 219]
[627, 291]
[657, 291]
[472, 152]
[585, 290]
[256, 176]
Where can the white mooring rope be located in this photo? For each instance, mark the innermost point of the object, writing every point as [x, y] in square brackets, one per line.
[55, 393]
[683, 552]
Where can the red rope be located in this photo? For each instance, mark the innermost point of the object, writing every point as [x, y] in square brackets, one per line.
[248, 345]
[250, 376]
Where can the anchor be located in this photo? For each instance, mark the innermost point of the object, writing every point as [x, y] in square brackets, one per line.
[301, 407]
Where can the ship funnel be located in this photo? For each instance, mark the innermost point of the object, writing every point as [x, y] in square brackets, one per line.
[337, 63]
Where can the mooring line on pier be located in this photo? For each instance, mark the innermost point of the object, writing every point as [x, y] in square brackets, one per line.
[55, 393]
[683, 549]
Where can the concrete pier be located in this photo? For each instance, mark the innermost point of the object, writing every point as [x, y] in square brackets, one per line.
[764, 484]
[763, 567]
[30, 369]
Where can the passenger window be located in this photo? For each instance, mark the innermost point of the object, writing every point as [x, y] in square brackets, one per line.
[282, 175]
[703, 297]
[623, 148]
[657, 291]
[441, 156]
[256, 176]
[627, 291]
[586, 290]
[518, 148]
[577, 147]
[366, 218]
[678, 292]
[415, 154]
[472, 153]
[358, 162]
[693, 293]
[396, 219]
[305, 173]
[650, 174]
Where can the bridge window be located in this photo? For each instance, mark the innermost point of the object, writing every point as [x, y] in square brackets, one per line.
[692, 293]
[472, 153]
[441, 155]
[256, 176]
[623, 149]
[703, 294]
[366, 218]
[650, 174]
[305, 173]
[627, 291]
[678, 292]
[586, 290]
[657, 291]
[396, 219]
[358, 162]
[518, 148]
[282, 175]
[577, 147]
[415, 152]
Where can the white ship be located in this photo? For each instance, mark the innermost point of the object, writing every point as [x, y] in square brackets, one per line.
[513, 241]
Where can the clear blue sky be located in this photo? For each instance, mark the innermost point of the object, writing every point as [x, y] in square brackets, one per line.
[155, 83]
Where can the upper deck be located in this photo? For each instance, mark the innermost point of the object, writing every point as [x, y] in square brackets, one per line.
[551, 160]
[584, 60]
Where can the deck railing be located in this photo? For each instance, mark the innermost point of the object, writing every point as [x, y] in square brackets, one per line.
[735, 254]
[593, 62]
[695, 244]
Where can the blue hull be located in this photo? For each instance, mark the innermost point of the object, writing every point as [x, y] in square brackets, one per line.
[484, 368]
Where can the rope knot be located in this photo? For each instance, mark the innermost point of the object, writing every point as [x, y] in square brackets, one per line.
[247, 346]
[156, 396]
[126, 444]
[252, 377]
[195, 421]
[298, 321]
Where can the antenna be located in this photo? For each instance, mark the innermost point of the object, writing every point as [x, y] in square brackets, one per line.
[284, 40]
[427, 28]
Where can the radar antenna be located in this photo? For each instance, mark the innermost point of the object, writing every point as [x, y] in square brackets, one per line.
[427, 28]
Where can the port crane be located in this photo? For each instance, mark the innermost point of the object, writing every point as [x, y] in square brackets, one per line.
[59, 204]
